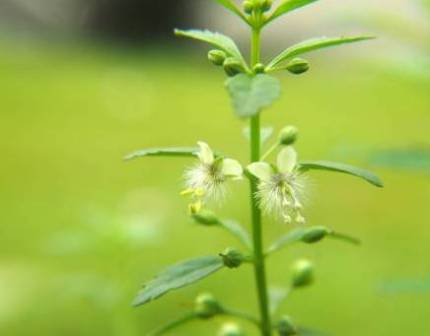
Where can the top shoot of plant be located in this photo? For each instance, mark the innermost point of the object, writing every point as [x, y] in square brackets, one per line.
[276, 184]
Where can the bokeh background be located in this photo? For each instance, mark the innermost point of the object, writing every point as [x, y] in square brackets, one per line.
[82, 83]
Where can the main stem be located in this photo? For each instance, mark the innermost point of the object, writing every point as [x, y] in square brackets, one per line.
[257, 232]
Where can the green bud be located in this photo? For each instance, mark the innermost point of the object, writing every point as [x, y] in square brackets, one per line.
[288, 135]
[298, 66]
[286, 327]
[232, 67]
[206, 217]
[248, 7]
[232, 258]
[206, 306]
[266, 5]
[302, 273]
[231, 329]
[315, 234]
[259, 68]
[217, 57]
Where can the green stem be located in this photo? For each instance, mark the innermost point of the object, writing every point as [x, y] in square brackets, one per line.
[259, 262]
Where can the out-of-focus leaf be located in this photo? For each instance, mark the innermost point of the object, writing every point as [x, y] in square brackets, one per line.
[232, 7]
[251, 94]
[287, 6]
[238, 231]
[178, 276]
[173, 324]
[342, 168]
[406, 286]
[216, 39]
[300, 234]
[277, 297]
[291, 237]
[312, 45]
[310, 332]
[265, 134]
[409, 159]
[177, 151]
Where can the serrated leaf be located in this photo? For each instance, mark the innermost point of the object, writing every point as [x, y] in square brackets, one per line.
[250, 95]
[265, 134]
[312, 45]
[218, 40]
[288, 6]
[174, 151]
[342, 168]
[232, 7]
[238, 231]
[178, 276]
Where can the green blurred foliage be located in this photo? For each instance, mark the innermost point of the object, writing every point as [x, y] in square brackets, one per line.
[81, 230]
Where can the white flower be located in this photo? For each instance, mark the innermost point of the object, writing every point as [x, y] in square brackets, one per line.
[280, 188]
[206, 180]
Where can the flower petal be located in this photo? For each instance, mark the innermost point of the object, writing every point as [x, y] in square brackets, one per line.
[287, 160]
[205, 154]
[232, 168]
[261, 170]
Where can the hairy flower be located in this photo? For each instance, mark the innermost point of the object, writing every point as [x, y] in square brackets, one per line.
[206, 180]
[280, 188]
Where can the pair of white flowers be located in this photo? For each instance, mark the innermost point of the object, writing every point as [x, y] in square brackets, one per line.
[280, 187]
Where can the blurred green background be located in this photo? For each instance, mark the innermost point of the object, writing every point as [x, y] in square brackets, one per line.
[81, 230]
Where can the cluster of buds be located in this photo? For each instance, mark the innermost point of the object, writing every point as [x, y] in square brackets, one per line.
[231, 65]
[251, 6]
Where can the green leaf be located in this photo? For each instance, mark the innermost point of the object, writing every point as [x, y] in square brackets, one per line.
[291, 237]
[277, 297]
[342, 168]
[238, 231]
[265, 134]
[178, 276]
[250, 95]
[414, 159]
[177, 151]
[231, 6]
[216, 39]
[311, 45]
[173, 324]
[298, 235]
[288, 6]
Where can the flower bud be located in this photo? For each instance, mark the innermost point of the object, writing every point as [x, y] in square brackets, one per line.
[298, 66]
[248, 7]
[232, 66]
[232, 258]
[231, 329]
[206, 306]
[217, 57]
[315, 234]
[302, 273]
[288, 135]
[286, 327]
[206, 217]
[259, 68]
[266, 5]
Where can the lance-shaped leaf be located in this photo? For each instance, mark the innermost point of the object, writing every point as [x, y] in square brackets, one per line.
[250, 94]
[216, 39]
[342, 168]
[238, 231]
[174, 324]
[176, 151]
[178, 276]
[312, 45]
[232, 7]
[309, 235]
[287, 6]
